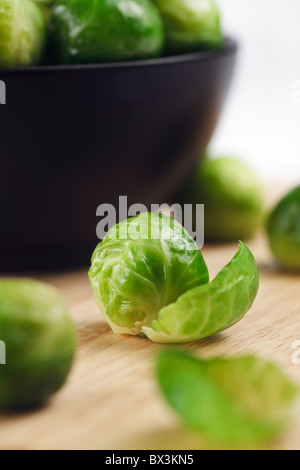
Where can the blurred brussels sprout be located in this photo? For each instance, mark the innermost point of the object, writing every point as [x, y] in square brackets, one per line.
[284, 230]
[22, 33]
[190, 25]
[91, 31]
[149, 277]
[40, 342]
[233, 198]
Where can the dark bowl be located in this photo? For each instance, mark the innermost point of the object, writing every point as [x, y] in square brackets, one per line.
[74, 137]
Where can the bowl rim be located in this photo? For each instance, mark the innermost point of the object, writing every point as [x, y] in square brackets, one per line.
[229, 47]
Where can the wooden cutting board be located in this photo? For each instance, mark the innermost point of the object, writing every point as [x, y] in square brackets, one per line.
[111, 400]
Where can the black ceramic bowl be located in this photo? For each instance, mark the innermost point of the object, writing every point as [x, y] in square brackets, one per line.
[72, 138]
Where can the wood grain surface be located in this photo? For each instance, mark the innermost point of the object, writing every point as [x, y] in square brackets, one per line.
[111, 400]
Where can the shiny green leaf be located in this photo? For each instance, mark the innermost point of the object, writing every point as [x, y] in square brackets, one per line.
[211, 308]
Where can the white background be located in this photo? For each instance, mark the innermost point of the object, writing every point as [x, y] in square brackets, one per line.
[261, 120]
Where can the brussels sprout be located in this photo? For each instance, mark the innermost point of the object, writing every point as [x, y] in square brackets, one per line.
[91, 31]
[149, 278]
[240, 401]
[22, 33]
[40, 343]
[233, 198]
[284, 230]
[190, 25]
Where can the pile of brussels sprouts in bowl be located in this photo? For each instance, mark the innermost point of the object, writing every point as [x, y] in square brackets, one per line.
[62, 32]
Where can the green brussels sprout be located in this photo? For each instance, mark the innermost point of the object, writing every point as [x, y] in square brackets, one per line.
[190, 25]
[40, 342]
[149, 278]
[233, 198]
[91, 31]
[284, 230]
[236, 402]
[22, 33]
